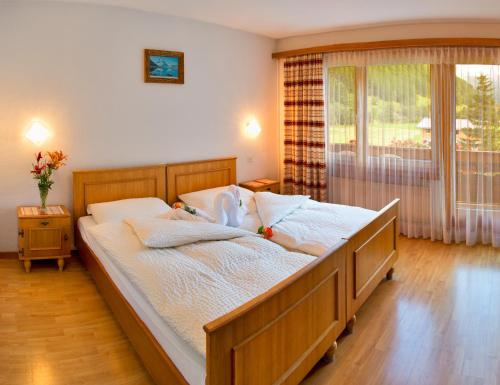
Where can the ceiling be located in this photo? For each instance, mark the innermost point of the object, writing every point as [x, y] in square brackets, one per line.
[284, 18]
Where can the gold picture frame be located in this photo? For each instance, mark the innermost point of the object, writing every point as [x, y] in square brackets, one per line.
[163, 66]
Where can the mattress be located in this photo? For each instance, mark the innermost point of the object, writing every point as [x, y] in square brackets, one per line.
[189, 362]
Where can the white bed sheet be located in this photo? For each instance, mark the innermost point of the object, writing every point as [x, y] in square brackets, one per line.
[189, 362]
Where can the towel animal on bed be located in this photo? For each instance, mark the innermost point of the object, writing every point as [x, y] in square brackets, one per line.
[228, 207]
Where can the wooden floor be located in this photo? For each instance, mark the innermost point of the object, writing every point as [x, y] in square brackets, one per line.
[437, 322]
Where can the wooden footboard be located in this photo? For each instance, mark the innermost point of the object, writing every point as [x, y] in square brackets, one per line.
[279, 336]
[371, 253]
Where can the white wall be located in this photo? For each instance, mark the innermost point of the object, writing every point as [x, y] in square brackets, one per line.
[392, 32]
[80, 69]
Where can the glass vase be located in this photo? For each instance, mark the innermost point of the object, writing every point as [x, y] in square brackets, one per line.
[44, 192]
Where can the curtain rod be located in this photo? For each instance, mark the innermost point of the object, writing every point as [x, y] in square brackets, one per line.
[387, 44]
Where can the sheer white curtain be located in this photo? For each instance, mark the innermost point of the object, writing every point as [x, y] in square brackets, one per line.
[477, 146]
[395, 129]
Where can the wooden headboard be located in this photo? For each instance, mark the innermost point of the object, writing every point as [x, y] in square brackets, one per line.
[95, 186]
[199, 175]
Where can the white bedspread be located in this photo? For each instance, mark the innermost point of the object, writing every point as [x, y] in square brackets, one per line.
[191, 285]
[311, 227]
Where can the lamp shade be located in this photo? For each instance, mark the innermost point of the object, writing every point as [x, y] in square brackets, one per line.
[37, 133]
[253, 128]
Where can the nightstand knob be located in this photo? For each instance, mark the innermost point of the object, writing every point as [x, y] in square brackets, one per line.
[66, 237]
[21, 232]
[44, 223]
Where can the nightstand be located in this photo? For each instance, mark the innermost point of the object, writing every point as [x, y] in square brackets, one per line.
[260, 185]
[44, 235]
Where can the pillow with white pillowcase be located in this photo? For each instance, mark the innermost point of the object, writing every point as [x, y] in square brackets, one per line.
[117, 211]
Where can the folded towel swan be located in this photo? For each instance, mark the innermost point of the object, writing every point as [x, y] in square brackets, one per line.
[228, 207]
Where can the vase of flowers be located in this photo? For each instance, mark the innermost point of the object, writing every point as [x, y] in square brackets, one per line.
[42, 172]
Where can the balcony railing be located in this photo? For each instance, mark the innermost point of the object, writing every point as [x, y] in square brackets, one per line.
[477, 172]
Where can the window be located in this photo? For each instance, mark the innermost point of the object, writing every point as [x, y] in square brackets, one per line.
[342, 107]
[478, 107]
[477, 133]
[380, 115]
[399, 104]
[421, 125]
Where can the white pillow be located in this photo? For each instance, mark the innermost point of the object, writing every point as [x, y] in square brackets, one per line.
[274, 207]
[204, 199]
[117, 211]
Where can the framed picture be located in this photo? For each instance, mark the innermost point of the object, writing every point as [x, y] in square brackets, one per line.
[163, 66]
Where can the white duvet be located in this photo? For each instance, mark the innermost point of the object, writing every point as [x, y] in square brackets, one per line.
[302, 224]
[194, 284]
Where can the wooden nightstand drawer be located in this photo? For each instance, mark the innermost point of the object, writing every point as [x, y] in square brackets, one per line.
[274, 188]
[42, 223]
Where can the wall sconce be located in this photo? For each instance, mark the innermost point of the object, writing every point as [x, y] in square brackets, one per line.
[37, 133]
[253, 128]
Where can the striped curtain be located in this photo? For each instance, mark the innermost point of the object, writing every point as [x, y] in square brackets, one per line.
[304, 127]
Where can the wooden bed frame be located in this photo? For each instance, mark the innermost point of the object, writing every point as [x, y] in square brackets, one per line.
[371, 254]
[276, 338]
[371, 251]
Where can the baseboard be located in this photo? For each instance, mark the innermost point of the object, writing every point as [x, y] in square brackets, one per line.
[8, 255]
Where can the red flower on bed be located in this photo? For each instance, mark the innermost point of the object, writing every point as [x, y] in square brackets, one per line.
[267, 232]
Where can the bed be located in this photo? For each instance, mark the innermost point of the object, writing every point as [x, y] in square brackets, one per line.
[372, 249]
[276, 337]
